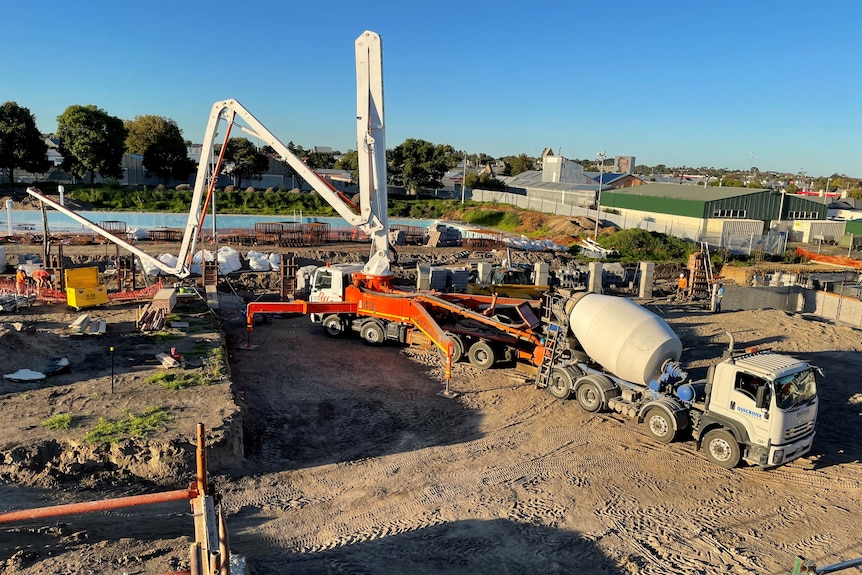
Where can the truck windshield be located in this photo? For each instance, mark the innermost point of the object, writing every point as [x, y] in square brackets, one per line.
[795, 389]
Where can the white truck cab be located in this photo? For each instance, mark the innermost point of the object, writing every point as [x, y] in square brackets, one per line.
[328, 283]
[769, 403]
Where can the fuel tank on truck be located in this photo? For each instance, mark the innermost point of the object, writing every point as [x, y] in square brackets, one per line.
[623, 337]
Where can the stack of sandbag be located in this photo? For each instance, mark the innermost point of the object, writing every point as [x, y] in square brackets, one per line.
[228, 260]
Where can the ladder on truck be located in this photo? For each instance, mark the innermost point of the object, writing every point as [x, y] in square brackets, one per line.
[557, 327]
[701, 274]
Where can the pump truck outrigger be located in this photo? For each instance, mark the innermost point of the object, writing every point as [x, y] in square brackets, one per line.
[607, 352]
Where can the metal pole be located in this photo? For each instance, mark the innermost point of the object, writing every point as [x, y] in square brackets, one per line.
[464, 180]
[112, 369]
[90, 506]
[599, 194]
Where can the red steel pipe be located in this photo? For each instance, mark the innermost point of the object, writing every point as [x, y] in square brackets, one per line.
[102, 505]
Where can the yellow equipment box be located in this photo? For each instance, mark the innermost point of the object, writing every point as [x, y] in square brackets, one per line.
[82, 277]
[83, 289]
[86, 297]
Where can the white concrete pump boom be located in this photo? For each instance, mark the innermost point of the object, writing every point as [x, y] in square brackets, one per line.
[371, 149]
[371, 214]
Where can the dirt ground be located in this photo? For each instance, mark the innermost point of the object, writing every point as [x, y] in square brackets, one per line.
[336, 457]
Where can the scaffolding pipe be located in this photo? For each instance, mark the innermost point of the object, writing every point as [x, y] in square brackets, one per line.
[91, 506]
[202, 486]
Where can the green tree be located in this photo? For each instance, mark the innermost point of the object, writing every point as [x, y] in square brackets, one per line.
[350, 161]
[419, 164]
[519, 164]
[91, 141]
[160, 141]
[244, 160]
[21, 144]
[320, 161]
[483, 181]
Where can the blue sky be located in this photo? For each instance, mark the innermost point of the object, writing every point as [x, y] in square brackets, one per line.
[675, 82]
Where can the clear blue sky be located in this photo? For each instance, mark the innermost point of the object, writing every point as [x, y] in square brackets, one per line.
[673, 82]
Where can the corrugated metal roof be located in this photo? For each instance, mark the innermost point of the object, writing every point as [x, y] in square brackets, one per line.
[688, 192]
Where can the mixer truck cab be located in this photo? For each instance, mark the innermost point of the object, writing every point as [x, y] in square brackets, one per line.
[762, 402]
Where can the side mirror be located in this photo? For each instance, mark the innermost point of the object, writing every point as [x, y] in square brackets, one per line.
[761, 399]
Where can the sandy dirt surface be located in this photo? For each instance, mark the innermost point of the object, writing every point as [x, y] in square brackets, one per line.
[353, 463]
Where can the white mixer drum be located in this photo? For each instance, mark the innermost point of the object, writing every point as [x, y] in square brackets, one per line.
[623, 337]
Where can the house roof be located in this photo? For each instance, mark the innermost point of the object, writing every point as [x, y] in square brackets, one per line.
[533, 179]
[607, 177]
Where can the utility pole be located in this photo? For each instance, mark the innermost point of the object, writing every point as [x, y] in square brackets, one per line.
[602, 157]
[464, 180]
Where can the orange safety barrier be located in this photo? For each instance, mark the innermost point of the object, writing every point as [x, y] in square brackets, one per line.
[832, 260]
[48, 294]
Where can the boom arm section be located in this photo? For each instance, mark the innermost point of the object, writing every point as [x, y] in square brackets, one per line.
[179, 270]
[371, 150]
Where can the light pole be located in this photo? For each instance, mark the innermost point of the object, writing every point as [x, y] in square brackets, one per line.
[602, 157]
[750, 170]
[464, 180]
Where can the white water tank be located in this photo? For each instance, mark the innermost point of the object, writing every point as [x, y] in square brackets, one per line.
[623, 337]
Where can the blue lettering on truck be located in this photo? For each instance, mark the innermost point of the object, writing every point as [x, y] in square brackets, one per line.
[749, 412]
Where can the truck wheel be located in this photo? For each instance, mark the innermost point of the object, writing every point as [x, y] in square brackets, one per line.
[659, 426]
[457, 348]
[721, 448]
[589, 396]
[560, 384]
[372, 333]
[482, 355]
[333, 326]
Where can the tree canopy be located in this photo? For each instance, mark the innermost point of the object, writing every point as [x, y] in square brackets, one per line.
[91, 142]
[350, 161]
[160, 141]
[21, 144]
[519, 164]
[419, 164]
[244, 160]
[483, 181]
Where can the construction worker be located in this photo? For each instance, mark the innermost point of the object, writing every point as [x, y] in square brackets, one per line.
[21, 281]
[682, 286]
[43, 278]
[719, 295]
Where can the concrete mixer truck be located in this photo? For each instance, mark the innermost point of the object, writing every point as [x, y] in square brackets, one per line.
[756, 406]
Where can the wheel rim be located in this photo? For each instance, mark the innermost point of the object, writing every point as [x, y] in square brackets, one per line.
[557, 384]
[589, 397]
[720, 449]
[658, 425]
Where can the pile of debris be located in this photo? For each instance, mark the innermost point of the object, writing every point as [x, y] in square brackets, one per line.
[154, 316]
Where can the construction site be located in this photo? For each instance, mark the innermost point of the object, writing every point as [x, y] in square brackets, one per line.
[333, 456]
[387, 408]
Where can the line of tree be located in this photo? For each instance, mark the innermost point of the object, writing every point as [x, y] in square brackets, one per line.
[91, 142]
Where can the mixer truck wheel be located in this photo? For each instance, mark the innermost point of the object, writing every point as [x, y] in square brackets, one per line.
[589, 396]
[659, 426]
[372, 333]
[333, 326]
[721, 448]
[482, 355]
[560, 384]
